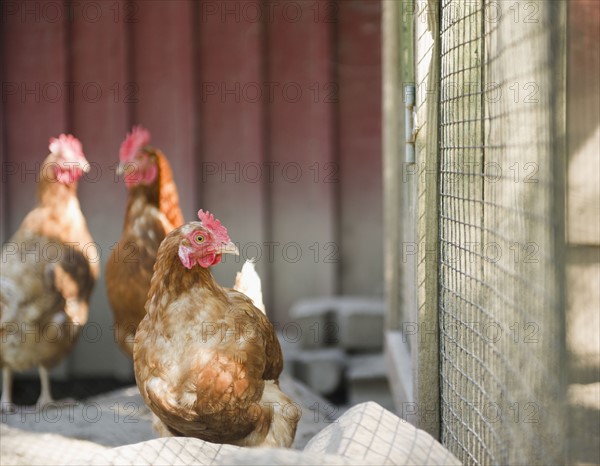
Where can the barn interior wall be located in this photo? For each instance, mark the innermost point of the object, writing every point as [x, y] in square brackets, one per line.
[270, 121]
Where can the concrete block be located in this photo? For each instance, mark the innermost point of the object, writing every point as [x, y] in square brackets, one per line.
[583, 319]
[320, 369]
[367, 380]
[359, 323]
[316, 320]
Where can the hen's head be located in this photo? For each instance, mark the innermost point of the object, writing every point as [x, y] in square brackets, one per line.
[204, 242]
[138, 161]
[68, 159]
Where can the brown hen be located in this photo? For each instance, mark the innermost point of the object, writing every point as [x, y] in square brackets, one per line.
[49, 268]
[207, 360]
[152, 212]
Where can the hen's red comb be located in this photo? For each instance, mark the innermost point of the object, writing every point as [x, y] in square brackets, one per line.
[67, 145]
[211, 223]
[135, 140]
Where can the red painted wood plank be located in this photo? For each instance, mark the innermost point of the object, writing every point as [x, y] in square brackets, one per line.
[98, 116]
[301, 114]
[162, 61]
[34, 96]
[232, 173]
[35, 101]
[359, 78]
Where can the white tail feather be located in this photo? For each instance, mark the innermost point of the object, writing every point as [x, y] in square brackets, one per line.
[248, 282]
[281, 413]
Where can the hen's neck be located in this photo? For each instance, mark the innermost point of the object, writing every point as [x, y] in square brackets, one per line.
[61, 217]
[140, 196]
[162, 194]
[52, 193]
[170, 276]
[168, 199]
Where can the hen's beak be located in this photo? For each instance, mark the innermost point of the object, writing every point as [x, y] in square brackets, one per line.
[121, 169]
[228, 248]
[85, 166]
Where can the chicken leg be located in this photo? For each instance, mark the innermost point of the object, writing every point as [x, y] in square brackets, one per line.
[6, 403]
[45, 395]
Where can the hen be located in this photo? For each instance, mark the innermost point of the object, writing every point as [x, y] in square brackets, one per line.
[49, 268]
[152, 212]
[207, 360]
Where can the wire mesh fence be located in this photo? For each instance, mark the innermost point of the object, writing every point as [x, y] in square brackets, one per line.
[500, 306]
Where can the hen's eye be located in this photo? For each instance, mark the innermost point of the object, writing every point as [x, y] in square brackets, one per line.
[199, 239]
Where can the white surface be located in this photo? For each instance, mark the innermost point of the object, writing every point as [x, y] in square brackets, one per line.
[365, 434]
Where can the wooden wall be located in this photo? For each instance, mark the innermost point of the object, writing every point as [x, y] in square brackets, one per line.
[268, 111]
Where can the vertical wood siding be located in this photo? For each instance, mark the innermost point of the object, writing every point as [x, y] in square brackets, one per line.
[269, 113]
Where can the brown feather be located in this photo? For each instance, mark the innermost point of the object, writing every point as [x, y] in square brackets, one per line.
[47, 283]
[168, 198]
[152, 212]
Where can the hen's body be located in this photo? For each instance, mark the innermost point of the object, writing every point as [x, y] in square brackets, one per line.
[152, 212]
[49, 268]
[207, 361]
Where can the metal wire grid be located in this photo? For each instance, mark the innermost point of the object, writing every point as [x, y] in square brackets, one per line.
[499, 309]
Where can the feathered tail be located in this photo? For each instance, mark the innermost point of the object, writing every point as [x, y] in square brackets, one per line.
[248, 282]
[276, 426]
